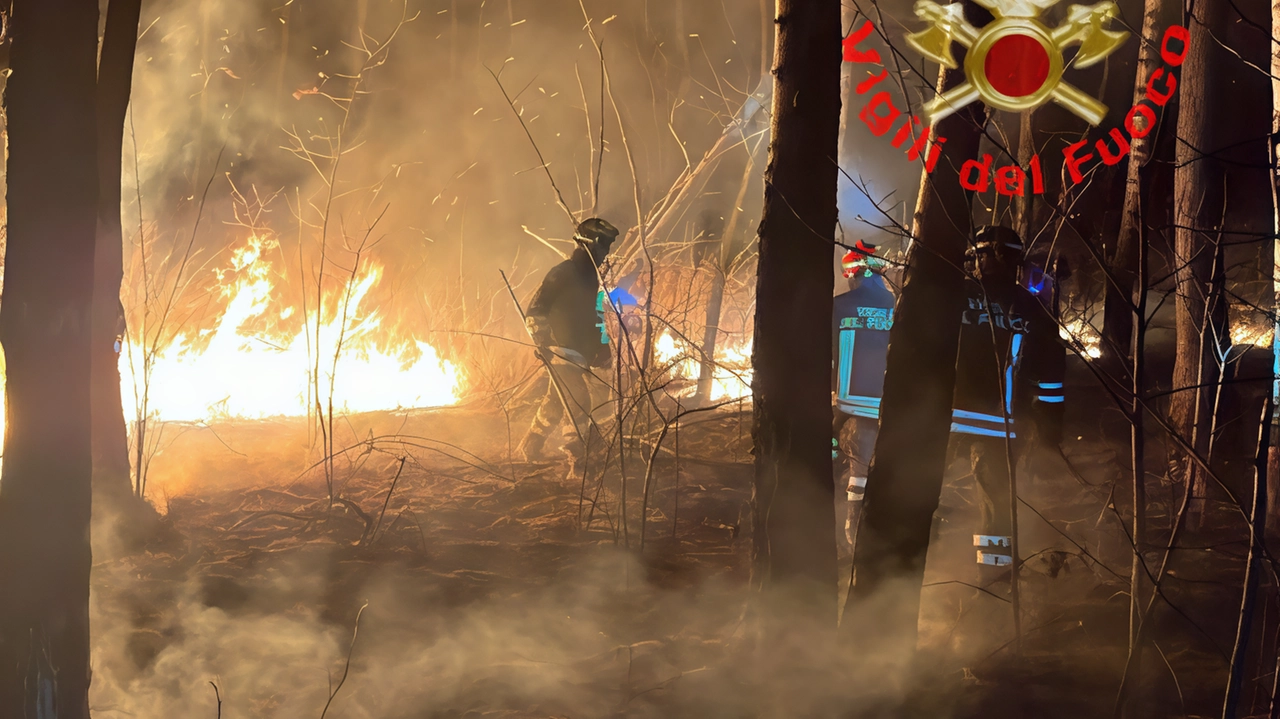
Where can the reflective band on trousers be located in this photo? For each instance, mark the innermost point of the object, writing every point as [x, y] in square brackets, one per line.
[969, 422]
[857, 486]
[994, 560]
[992, 540]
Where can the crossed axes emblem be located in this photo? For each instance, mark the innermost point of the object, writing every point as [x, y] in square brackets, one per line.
[1015, 62]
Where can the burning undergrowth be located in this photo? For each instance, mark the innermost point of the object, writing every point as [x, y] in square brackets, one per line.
[254, 362]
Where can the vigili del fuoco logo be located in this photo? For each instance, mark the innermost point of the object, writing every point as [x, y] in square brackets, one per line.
[1016, 63]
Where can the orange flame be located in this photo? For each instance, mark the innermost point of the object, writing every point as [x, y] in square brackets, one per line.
[240, 374]
[731, 377]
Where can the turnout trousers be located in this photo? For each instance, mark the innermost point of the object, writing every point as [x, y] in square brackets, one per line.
[855, 441]
[581, 390]
[989, 460]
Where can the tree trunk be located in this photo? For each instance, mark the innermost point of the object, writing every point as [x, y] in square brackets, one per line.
[849, 103]
[905, 479]
[707, 372]
[794, 545]
[720, 269]
[45, 495]
[115, 76]
[1252, 568]
[1273, 471]
[1200, 311]
[1117, 321]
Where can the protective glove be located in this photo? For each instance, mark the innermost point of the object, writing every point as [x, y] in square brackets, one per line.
[540, 332]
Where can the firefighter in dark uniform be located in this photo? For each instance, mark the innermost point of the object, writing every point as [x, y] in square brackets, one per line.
[860, 326]
[1047, 406]
[1007, 367]
[566, 321]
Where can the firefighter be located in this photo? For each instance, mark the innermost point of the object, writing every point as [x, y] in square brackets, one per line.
[1047, 407]
[566, 321]
[860, 326]
[1007, 367]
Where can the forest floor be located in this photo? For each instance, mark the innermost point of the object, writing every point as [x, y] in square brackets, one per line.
[486, 592]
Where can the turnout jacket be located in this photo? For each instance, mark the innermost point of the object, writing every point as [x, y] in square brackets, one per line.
[567, 310]
[1010, 361]
[860, 324]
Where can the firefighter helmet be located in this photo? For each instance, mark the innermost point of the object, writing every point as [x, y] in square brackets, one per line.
[996, 238]
[596, 231]
[861, 258]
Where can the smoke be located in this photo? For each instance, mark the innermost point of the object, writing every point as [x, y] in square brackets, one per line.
[254, 102]
[600, 638]
[433, 159]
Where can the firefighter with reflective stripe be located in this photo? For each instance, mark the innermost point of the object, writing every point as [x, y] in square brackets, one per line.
[565, 318]
[860, 326]
[1047, 409]
[1005, 364]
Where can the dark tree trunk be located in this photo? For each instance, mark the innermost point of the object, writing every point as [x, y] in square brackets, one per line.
[45, 495]
[905, 480]
[1253, 566]
[849, 100]
[115, 75]
[794, 529]
[1117, 320]
[1200, 311]
[1273, 468]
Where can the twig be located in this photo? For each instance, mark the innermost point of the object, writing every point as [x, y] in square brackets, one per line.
[374, 533]
[217, 695]
[354, 632]
[363, 515]
[559, 198]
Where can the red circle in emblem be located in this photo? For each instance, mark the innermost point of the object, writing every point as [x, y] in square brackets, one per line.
[1016, 65]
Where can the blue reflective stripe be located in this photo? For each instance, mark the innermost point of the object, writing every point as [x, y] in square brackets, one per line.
[970, 430]
[604, 333]
[860, 408]
[863, 399]
[1050, 385]
[1051, 399]
[847, 338]
[1008, 373]
[965, 414]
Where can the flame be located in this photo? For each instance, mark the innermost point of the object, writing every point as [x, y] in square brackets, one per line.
[1259, 335]
[731, 377]
[1084, 336]
[239, 374]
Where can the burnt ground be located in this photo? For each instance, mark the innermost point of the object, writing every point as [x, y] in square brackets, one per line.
[487, 594]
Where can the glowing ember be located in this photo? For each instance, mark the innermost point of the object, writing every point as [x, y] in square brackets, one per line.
[1259, 335]
[243, 375]
[731, 378]
[1084, 336]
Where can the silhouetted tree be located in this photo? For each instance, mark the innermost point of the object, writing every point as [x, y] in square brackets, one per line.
[1200, 308]
[115, 79]
[905, 480]
[794, 540]
[45, 492]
